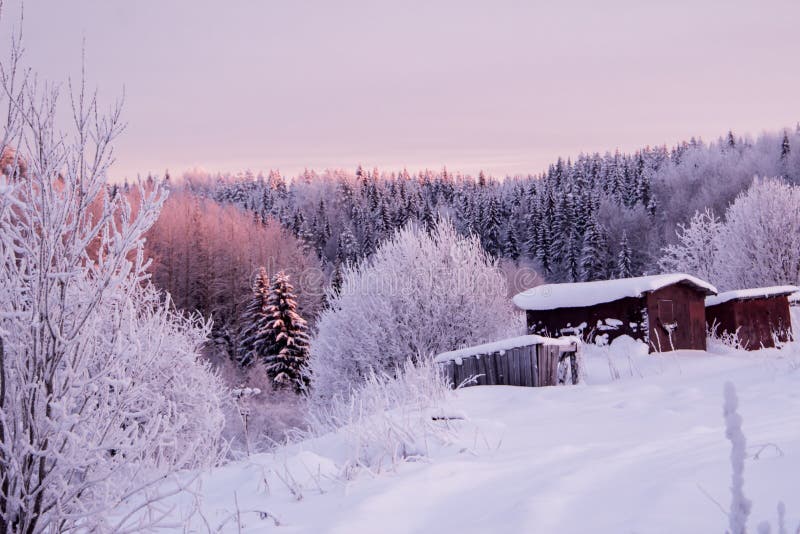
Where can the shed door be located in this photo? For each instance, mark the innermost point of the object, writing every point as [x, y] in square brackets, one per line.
[666, 311]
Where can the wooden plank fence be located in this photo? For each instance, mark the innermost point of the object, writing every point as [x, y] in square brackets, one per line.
[531, 366]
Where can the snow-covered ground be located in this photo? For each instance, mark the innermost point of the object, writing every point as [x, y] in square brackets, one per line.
[640, 447]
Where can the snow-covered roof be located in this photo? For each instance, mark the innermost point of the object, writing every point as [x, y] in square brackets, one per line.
[576, 295]
[504, 344]
[794, 297]
[753, 293]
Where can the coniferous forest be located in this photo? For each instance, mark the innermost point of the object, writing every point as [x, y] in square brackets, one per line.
[586, 218]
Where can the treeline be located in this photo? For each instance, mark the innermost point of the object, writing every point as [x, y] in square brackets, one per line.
[594, 217]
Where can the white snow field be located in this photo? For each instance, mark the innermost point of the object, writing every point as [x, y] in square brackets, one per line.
[640, 447]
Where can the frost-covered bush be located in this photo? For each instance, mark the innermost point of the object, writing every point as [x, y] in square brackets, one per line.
[757, 243]
[419, 294]
[388, 417]
[102, 393]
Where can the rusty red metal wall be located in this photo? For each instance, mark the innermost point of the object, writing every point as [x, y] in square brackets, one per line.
[755, 319]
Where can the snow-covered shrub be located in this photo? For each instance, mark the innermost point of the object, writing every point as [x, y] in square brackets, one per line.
[419, 294]
[102, 394]
[388, 418]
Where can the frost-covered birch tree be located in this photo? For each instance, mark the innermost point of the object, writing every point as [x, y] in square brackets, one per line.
[757, 244]
[697, 250]
[102, 394]
[419, 294]
[760, 241]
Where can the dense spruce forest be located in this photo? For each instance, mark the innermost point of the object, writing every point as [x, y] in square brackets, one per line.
[595, 217]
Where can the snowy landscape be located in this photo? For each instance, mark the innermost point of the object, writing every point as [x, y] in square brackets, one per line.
[605, 340]
[524, 459]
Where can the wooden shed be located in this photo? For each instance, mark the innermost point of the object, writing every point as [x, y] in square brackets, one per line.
[531, 361]
[758, 316]
[665, 311]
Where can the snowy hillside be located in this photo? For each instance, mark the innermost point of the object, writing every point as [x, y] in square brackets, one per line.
[640, 447]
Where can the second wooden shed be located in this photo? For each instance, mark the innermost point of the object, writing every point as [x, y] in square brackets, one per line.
[758, 316]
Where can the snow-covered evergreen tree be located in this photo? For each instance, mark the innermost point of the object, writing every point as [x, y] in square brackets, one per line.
[511, 247]
[624, 265]
[592, 264]
[285, 337]
[491, 229]
[785, 147]
[253, 343]
[572, 257]
[348, 248]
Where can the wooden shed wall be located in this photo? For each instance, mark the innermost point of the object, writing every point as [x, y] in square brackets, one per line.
[683, 306]
[531, 366]
[756, 320]
[561, 321]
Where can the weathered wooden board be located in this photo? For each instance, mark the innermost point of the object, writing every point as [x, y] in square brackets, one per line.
[548, 364]
[513, 360]
[531, 366]
[491, 369]
[525, 366]
[503, 368]
[480, 363]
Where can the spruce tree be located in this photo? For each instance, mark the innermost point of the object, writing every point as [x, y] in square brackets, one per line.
[593, 253]
[348, 248]
[287, 336]
[785, 148]
[252, 346]
[491, 229]
[624, 269]
[731, 140]
[572, 254]
[428, 217]
[511, 246]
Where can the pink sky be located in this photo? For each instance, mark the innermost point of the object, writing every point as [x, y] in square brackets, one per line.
[506, 86]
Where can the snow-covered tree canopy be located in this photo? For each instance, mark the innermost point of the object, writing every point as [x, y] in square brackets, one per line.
[757, 243]
[418, 295]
